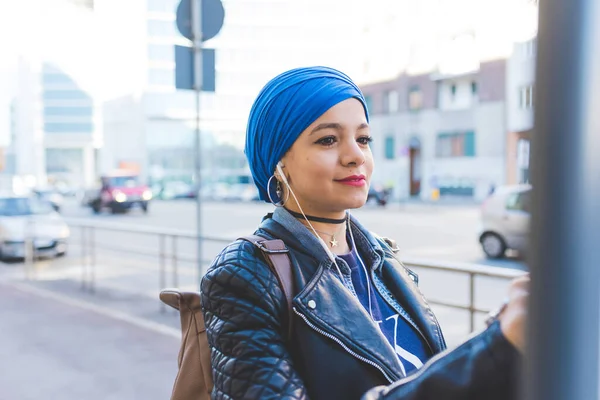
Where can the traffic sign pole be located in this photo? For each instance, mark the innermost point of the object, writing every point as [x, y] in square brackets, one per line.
[197, 20]
[197, 46]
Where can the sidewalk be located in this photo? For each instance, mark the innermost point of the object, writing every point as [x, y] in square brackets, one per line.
[60, 342]
[53, 346]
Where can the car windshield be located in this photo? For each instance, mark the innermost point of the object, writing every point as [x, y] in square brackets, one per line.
[123, 181]
[19, 206]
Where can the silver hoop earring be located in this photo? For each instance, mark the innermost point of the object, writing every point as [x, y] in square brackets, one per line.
[278, 191]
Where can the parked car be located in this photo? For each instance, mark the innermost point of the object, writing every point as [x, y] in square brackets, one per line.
[24, 218]
[50, 195]
[120, 191]
[505, 220]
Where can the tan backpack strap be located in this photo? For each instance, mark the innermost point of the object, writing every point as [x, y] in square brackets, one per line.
[276, 255]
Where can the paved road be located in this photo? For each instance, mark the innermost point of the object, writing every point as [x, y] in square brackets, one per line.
[447, 233]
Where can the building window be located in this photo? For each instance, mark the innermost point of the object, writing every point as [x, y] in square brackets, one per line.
[161, 52]
[161, 77]
[415, 98]
[460, 144]
[526, 97]
[161, 28]
[393, 101]
[68, 127]
[390, 101]
[68, 111]
[390, 143]
[64, 160]
[62, 79]
[65, 95]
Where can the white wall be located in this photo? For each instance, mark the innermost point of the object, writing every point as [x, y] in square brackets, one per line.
[463, 97]
[520, 72]
[487, 167]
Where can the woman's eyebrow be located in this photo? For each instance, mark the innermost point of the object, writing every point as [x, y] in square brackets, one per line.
[336, 126]
[326, 125]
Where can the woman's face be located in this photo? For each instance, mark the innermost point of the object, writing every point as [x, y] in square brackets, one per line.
[329, 166]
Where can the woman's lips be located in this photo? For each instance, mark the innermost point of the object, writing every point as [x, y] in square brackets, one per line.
[353, 181]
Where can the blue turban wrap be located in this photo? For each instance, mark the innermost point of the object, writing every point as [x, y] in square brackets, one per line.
[284, 108]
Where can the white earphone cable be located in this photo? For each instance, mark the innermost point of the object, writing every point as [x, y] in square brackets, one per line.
[364, 269]
[321, 241]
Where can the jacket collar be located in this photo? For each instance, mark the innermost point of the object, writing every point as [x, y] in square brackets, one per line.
[300, 237]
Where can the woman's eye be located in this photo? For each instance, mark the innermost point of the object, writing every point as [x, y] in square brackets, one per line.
[327, 141]
[365, 140]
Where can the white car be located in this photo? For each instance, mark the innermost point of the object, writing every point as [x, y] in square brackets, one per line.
[24, 218]
[505, 220]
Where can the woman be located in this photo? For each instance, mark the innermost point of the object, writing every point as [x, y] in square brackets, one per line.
[359, 320]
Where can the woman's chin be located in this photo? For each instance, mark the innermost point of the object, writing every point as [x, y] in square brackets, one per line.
[355, 203]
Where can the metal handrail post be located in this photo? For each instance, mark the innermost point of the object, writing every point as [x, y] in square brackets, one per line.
[472, 307]
[83, 258]
[174, 261]
[162, 273]
[92, 239]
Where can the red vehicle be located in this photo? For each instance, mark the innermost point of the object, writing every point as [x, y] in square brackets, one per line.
[121, 191]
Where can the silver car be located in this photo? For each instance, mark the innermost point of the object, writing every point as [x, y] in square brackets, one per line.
[505, 220]
[30, 218]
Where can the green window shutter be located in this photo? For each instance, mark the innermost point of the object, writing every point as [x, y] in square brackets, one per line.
[469, 144]
[389, 148]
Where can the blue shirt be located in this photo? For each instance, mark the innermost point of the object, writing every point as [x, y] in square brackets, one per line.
[402, 336]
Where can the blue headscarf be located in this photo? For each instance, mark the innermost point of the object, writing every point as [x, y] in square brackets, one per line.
[284, 108]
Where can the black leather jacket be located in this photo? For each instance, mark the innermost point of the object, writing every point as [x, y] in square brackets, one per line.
[335, 352]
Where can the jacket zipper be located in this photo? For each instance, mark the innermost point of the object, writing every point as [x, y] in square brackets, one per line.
[338, 341]
[402, 312]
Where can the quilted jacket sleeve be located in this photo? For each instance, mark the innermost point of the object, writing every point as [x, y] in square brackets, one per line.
[245, 315]
[485, 367]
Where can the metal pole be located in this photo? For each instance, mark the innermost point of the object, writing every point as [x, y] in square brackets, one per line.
[197, 32]
[564, 324]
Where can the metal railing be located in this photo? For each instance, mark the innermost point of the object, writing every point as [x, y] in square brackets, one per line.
[170, 256]
[472, 271]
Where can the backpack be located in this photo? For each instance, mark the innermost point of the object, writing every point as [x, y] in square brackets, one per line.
[194, 379]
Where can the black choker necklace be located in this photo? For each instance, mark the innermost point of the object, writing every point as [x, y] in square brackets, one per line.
[317, 219]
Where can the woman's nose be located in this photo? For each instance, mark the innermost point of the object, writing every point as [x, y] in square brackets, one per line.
[352, 154]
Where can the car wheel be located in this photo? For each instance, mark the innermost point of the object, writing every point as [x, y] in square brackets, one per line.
[493, 246]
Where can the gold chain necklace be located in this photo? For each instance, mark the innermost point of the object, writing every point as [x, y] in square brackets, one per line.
[333, 242]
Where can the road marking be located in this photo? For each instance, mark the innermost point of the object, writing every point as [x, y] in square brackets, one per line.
[139, 322]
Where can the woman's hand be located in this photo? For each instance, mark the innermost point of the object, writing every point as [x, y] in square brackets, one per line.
[514, 316]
